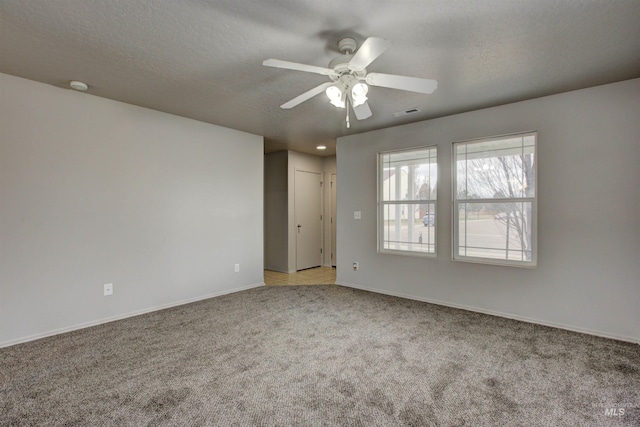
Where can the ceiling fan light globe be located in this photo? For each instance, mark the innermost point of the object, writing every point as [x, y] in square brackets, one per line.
[334, 93]
[359, 100]
[360, 90]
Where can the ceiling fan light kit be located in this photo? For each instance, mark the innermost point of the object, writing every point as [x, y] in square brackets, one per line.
[347, 84]
[350, 79]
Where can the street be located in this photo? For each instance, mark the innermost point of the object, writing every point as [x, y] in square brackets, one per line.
[478, 237]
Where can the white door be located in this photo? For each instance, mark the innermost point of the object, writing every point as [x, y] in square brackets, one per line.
[308, 217]
[334, 253]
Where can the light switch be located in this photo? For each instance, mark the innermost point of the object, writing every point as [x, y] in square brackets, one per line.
[357, 215]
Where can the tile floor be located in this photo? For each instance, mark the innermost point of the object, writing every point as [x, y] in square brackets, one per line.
[312, 276]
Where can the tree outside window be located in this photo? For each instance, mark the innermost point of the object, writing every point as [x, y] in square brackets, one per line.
[495, 200]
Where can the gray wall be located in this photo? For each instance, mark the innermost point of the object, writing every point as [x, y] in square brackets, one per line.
[276, 212]
[588, 277]
[94, 191]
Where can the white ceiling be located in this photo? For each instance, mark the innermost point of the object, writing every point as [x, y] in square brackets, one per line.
[203, 58]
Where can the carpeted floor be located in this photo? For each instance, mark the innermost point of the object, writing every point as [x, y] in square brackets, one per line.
[323, 355]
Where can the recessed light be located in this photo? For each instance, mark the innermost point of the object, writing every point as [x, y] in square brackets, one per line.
[81, 86]
[321, 147]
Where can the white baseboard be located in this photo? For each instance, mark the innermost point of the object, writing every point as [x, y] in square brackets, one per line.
[572, 328]
[124, 316]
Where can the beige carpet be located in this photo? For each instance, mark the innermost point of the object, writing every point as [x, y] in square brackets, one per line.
[316, 356]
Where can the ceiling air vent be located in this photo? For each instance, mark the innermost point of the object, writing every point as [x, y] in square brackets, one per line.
[405, 112]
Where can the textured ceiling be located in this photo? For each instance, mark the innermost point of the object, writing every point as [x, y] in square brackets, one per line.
[203, 58]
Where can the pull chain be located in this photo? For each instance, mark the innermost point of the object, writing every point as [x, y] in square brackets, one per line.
[347, 105]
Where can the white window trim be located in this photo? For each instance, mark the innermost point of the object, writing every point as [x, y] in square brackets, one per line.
[455, 228]
[381, 204]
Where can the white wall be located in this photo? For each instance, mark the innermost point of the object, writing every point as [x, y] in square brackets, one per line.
[94, 191]
[588, 277]
[328, 167]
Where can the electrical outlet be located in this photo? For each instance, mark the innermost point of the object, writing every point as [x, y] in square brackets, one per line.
[108, 289]
[356, 266]
[237, 268]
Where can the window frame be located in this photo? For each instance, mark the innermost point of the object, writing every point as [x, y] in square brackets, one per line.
[455, 206]
[381, 204]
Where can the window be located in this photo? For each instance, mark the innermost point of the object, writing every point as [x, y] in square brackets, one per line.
[407, 185]
[495, 200]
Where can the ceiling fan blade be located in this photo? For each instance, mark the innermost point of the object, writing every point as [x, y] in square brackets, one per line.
[362, 111]
[307, 95]
[413, 84]
[297, 67]
[368, 52]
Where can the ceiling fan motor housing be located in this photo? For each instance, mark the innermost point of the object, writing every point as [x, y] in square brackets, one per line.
[340, 64]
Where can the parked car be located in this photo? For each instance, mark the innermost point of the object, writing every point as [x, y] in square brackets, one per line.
[429, 219]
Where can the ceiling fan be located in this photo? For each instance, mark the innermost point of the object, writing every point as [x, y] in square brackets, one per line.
[349, 77]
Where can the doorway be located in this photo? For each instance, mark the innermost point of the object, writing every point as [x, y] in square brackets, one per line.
[308, 219]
